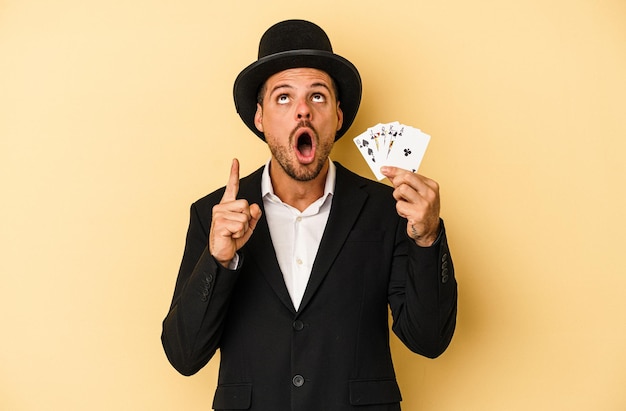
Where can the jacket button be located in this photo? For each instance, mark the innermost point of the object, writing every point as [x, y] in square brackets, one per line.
[298, 380]
[298, 325]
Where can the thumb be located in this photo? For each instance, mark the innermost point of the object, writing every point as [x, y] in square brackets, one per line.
[255, 215]
[389, 171]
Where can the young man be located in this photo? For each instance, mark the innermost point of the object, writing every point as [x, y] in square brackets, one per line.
[290, 270]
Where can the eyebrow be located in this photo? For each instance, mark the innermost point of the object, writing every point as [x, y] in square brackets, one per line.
[324, 85]
[278, 87]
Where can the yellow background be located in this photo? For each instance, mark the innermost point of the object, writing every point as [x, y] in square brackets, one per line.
[116, 115]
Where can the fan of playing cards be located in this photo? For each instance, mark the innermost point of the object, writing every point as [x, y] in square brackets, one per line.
[392, 144]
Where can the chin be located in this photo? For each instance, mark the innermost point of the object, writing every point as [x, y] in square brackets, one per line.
[305, 172]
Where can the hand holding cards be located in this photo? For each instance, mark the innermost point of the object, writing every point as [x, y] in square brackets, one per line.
[392, 144]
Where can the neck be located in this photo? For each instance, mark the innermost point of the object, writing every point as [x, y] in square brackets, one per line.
[298, 194]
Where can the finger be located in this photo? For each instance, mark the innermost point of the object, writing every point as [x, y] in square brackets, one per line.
[241, 225]
[239, 206]
[397, 175]
[412, 212]
[392, 172]
[255, 215]
[417, 182]
[232, 187]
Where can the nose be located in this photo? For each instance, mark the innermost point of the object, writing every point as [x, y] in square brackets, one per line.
[303, 110]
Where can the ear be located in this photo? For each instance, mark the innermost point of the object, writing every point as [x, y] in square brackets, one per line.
[339, 117]
[258, 118]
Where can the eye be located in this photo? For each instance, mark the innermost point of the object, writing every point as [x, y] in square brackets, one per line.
[318, 98]
[283, 99]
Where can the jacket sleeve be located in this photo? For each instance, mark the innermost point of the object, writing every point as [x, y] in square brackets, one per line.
[193, 325]
[423, 294]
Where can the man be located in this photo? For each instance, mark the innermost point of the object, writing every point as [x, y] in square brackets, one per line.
[290, 270]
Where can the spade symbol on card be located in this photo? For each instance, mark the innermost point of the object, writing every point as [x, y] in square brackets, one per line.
[366, 150]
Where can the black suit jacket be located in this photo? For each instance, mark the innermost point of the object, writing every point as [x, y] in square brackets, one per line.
[333, 353]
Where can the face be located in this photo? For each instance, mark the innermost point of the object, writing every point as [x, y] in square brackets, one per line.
[299, 117]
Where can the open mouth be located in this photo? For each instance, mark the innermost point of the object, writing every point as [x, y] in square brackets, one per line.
[305, 144]
[305, 147]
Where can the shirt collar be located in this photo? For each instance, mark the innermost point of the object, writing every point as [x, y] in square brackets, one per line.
[268, 190]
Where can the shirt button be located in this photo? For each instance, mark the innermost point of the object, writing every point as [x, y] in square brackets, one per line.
[298, 219]
[298, 380]
[298, 261]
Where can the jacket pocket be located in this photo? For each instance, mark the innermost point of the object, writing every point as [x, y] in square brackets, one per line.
[370, 392]
[233, 397]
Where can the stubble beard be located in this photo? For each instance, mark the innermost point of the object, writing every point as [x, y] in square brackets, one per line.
[289, 162]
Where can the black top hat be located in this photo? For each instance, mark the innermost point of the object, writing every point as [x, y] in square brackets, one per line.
[295, 44]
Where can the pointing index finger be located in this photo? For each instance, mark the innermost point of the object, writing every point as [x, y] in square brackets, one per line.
[232, 187]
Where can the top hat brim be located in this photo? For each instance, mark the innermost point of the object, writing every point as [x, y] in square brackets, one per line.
[344, 73]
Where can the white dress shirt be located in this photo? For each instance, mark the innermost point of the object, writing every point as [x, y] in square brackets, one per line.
[296, 235]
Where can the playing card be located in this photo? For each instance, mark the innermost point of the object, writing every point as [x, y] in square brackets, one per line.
[392, 144]
[367, 146]
[376, 136]
[393, 131]
[408, 149]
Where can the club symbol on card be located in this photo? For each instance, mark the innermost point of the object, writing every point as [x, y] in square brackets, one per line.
[407, 151]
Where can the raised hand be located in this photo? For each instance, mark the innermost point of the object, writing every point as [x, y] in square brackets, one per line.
[418, 201]
[233, 221]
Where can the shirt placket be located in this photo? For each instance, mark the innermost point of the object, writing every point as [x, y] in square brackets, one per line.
[300, 258]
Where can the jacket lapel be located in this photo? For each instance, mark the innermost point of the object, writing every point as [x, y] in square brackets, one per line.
[259, 250]
[348, 201]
